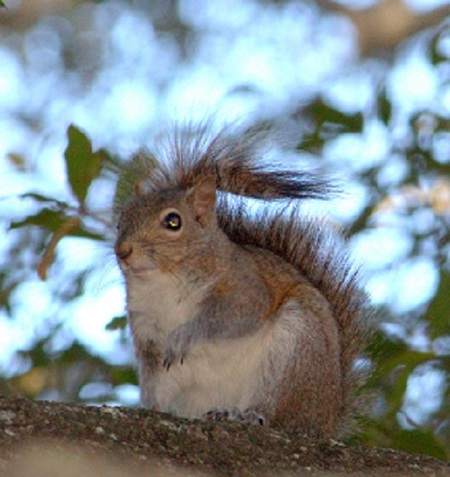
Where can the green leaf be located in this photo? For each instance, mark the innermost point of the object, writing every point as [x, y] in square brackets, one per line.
[324, 115]
[39, 354]
[53, 220]
[47, 218]
[418, 441]
[437, 53]
[117, 323]
[329, 123]
[2, 4]
[45, 199]
[122, 375]
[83, 166]
[395, 363]
[438, 313]
[61, 226]
[77, 353]
[406, 361]
[384, 107]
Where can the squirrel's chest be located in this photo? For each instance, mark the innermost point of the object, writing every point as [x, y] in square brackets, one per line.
[216, 374]
[157, 303]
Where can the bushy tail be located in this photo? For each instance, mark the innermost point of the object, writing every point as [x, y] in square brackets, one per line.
[320, 255]
[235, 160]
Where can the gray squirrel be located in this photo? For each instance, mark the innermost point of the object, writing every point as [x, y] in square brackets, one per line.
[237, 310]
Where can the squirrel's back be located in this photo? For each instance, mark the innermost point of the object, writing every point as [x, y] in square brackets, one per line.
[274, 223]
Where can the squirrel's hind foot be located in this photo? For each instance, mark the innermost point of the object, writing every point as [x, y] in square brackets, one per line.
[233, 414]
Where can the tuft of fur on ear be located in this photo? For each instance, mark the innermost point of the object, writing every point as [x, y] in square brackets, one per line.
[202, 197]
[139, 188]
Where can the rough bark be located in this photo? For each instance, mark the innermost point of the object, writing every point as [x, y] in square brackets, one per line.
[57, 439]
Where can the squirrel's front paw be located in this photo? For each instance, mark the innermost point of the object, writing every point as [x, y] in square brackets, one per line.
[178, 343]
[171, 357]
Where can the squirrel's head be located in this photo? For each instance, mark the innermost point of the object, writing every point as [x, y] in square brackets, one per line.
[160, 230]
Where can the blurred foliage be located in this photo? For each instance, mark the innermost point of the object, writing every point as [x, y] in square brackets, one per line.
[60, 218]
[64, 371]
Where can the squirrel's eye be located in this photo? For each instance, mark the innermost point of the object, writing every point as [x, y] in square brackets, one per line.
[172, 221]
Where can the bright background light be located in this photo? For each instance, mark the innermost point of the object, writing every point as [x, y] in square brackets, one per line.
[248, 60]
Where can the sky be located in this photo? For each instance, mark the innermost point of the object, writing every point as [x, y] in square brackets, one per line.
[131, 81]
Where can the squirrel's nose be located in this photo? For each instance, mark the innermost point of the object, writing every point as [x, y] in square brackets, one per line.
[123, 250]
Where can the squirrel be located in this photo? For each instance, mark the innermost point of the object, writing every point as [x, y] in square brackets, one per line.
[238, 305]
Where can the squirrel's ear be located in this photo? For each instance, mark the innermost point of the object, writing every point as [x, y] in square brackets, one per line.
[202, 197]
